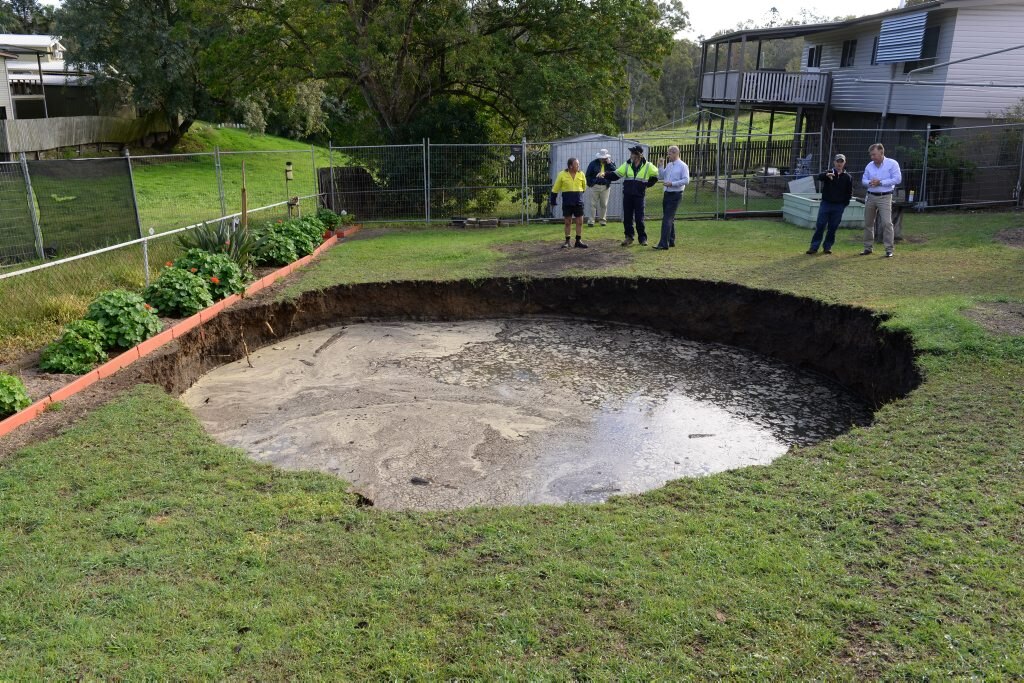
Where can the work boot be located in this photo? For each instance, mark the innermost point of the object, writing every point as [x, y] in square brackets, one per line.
[643, 243]
[566, 245]
[580, 244]
[866, 252]
[626, 242]
[590, 223]
[603, 223]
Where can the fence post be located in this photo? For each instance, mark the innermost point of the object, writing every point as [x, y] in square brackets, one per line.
[924, 166]
[1020, 168]
[330, 184]
[526, 186]
[145, 256]
[316, 182]
[135, 197]
[718, 174]
[32, 206]
[220, 181]
[426, 179]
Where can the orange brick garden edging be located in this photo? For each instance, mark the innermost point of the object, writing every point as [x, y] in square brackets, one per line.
[147, 347]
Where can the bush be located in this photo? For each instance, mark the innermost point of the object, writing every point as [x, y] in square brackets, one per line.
[124, 318]
[275, 249]
[223, 275]
[13, 395]
[306, 239]
[178, 293]
[330, 219]
[78, 350]
[223, 237]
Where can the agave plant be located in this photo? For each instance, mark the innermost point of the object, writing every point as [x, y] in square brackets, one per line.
[223, 237]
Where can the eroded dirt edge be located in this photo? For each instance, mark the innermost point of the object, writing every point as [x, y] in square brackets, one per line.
[845, 343]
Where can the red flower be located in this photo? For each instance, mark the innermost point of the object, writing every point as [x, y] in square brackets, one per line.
[168, 264]
[228, 243]
[193, 270]
[214, 280]
[148, 307]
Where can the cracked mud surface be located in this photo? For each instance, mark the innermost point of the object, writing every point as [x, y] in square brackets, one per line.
[517, 411]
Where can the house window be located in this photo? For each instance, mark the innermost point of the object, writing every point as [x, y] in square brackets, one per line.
[814, 56]
[929, 50]
[874, 52]
[849, 53]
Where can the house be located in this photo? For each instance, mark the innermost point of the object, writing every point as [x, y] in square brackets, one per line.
[943, 63]
[40, 83]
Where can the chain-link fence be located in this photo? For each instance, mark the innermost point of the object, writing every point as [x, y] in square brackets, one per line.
[505, 183]
[944, 167]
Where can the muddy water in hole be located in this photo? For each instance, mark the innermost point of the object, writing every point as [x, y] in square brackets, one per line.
[507, 412]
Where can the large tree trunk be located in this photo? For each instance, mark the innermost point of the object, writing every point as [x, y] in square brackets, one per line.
[176, 133]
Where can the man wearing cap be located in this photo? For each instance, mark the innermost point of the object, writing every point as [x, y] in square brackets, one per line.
[600, 186]
[881, 177]
[836, 193]
[637, 175]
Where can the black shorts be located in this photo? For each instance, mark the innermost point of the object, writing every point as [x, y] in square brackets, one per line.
[573, 210]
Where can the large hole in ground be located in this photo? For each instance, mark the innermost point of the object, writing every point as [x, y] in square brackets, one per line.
[848, 345]
[515, 411]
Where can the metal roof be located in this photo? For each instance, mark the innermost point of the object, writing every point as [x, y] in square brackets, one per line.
[784, 32]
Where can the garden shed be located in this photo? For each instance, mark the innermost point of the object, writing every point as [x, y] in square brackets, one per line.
[585, 148]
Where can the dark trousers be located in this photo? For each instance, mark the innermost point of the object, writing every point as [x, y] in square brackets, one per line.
[669, 204]
[633, 211]
[829, 215]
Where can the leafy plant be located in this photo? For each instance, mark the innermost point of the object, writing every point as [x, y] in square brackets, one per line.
[301, 234]
[124, 318]
[275, 249]
[13, 395]
[179, 293]
[79, 349]
[330, 219]
[223, 237]
[223, 275]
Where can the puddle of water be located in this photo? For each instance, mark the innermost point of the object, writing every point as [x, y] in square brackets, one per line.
[440, 415]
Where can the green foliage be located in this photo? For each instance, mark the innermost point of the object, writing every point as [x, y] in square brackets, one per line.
[79, 349]
[13, 395]
[124, 318]
[223, 275]
[178, 293]
[222, 237]
[330, 219]
[275, 249]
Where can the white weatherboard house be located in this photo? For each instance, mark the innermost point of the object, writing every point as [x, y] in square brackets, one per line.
[946, 63]
[38, 83]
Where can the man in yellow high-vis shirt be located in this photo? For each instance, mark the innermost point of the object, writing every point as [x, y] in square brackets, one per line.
[572, 183]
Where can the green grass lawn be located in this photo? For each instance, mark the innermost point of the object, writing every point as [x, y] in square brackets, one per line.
[134, 546]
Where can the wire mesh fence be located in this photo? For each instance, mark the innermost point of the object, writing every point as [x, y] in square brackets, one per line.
[38, 302]
[378, 183]
[944, 167]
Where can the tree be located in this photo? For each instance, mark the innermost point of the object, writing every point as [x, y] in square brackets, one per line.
[26, 16]
[143, 52]
[515, 60]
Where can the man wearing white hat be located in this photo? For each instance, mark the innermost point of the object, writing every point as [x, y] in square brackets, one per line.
[600, 187]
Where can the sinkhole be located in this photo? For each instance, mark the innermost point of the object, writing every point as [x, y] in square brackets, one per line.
[513, 411]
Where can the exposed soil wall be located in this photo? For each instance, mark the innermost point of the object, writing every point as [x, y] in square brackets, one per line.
[842, 342]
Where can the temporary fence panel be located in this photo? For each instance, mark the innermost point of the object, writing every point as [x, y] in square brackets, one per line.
[267, 178]
[83, 204]
[378, 183]
[175, 190]
[972, 166]
[17, 232]
[475, 181]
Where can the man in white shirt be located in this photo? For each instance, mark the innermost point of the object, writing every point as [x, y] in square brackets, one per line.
[881, 177]
[675, 177]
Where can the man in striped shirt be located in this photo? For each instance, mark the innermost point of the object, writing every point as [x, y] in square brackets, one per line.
[881, 177]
